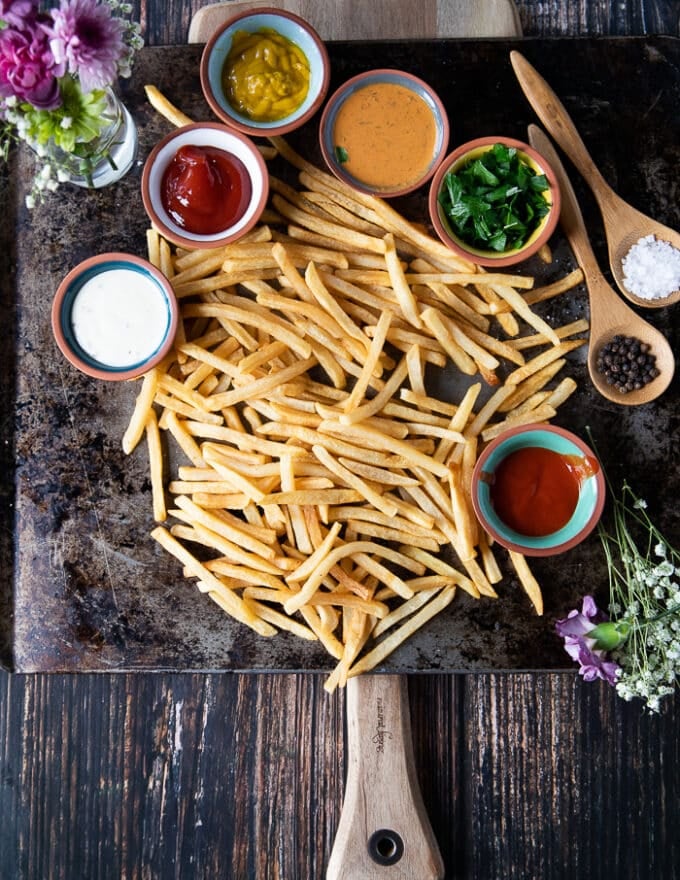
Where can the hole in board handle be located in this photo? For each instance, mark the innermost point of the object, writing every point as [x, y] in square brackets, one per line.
[385, 847]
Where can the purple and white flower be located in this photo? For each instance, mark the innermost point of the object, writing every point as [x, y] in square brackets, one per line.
[575, 630]
[88, 41]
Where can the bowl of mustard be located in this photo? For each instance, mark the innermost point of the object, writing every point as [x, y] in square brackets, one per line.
[265, 72]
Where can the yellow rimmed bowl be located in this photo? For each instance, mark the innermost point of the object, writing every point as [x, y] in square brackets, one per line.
[461, 157]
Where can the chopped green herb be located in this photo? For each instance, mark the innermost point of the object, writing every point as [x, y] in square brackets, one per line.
[341, 154]
[495, 202]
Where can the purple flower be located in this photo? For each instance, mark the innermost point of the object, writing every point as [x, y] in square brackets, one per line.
[574, 629]
[27, 66]
[88, 40]
[18, 13]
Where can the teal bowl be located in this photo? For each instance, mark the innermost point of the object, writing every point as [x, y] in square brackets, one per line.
[591, 489]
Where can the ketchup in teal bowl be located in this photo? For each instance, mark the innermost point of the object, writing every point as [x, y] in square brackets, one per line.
[204, 185]
[538, 489]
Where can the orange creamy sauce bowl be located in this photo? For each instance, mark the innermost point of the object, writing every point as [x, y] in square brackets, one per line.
[384, 132]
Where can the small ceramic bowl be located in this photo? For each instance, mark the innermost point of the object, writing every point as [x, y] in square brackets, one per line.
[204, 134]
[367, 128]
[288, 25]
[577, 457]
[115, 316]
[458, 159]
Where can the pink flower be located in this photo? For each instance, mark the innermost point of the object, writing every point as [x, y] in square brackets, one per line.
[27, 67]
[575, 630]
[88, 40]
[17, 13]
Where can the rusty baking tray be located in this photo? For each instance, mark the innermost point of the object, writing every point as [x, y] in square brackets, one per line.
[85, 588]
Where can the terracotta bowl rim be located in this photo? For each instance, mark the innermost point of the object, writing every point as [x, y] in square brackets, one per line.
[406, 78]
[510, 539]
[81, 360]
[488, 258]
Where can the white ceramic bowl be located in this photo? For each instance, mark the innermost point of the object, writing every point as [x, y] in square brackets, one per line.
[378, 77]
[204, 134]
[288, 25]
[114, 316]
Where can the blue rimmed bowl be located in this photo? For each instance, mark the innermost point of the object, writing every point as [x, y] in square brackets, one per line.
[114, 316]
[288, 25]
[591, 489]
[409, 86]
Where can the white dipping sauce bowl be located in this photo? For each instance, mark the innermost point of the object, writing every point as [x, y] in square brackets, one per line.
[115, 316]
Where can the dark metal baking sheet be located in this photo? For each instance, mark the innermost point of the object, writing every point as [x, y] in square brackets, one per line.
[85, 588]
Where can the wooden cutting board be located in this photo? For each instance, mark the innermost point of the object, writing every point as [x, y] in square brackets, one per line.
[379, 19]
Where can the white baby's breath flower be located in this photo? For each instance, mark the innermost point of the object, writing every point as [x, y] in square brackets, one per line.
[30, 201]
[66, 122]
[643, 595]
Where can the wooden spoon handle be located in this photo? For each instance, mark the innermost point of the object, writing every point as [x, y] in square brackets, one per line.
[553, 115]
[571, 217]
[384, 831]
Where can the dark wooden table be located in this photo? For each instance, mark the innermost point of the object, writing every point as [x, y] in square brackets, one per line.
[206, 776]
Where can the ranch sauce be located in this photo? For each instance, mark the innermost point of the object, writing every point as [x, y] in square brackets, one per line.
[388, 135]
[120, 317]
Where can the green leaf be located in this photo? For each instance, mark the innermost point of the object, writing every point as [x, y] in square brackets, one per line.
[341, 155]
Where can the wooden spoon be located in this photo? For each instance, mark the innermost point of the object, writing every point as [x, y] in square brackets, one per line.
[608, 314]
[623, 224]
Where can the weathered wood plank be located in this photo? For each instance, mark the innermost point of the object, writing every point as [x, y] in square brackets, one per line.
[167, 23]
[204, 776]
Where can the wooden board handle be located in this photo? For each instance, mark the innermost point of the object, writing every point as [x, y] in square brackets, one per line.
[384, 832]
[379, 19]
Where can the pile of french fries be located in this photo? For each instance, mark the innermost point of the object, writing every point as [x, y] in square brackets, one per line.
[324, 491]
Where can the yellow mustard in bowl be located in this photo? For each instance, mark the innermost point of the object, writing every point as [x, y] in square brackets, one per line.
[266, 76]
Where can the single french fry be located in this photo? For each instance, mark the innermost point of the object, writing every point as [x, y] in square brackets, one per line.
[527, 580]
[166, 109]
[156, 467]
[140, 414]
[542, 360]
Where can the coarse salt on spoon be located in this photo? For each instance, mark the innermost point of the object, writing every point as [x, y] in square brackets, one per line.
[609, 315]
[625, 226]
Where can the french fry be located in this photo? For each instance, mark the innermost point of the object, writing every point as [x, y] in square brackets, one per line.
[390, 643]
[166, 109]
[140, 414]
[527, 580]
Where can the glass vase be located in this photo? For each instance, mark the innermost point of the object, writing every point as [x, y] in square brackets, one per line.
[109, 156]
